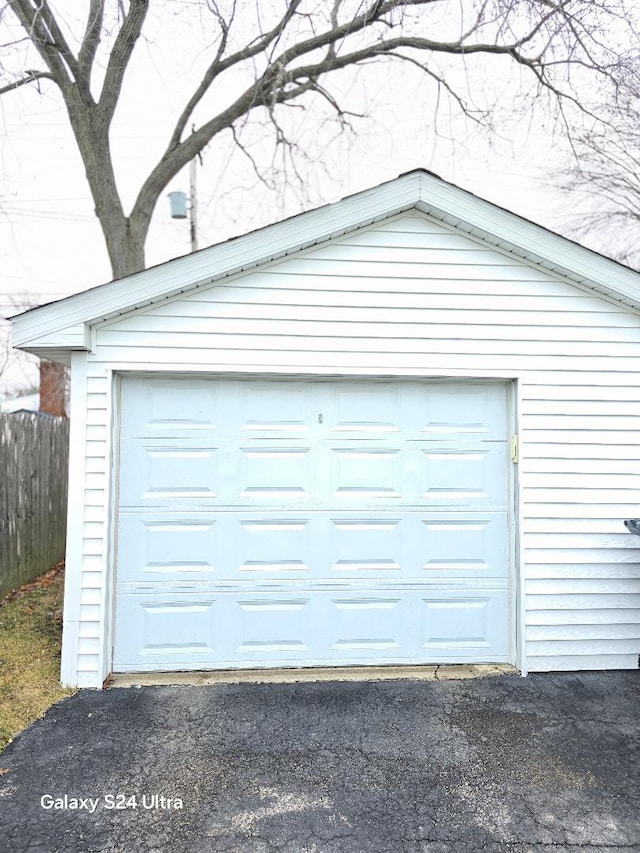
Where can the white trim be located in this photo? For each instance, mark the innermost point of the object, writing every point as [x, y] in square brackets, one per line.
[107, 599]
[515, 573]
[75, 519]
[285, 372]
[517, 503]
[419, 190]
[514, 527]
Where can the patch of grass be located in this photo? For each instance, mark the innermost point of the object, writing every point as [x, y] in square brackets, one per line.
[30, 636]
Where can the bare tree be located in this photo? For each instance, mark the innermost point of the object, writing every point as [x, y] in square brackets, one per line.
[293, 50]
[603, 182]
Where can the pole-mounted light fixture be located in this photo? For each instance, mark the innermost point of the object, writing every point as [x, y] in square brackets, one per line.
[178, 203]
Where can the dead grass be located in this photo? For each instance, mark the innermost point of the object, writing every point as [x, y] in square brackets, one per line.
[30, 634]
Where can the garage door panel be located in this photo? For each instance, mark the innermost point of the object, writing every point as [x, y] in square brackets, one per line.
[275, 547]
[173, 626]
[281, 474]
[467, 545]
[161, 407]
[272, 626]
[465, 410]
[413, 473]
[158, 547]
[465, 476]
[193, 473]
[325, 628]
[450, 410]
[169, 472]
[252, 411]
[367, 624]
[164, 631]
[367, 545]
[365, 472]
[236, 546]
[164, 408]
[364, 408]
[454, 622]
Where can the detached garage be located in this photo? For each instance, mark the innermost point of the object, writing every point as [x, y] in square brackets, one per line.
[399, 429]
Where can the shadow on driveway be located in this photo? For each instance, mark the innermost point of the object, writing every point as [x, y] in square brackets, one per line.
[547, 763]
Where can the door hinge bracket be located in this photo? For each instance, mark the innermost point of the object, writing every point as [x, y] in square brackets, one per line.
[514, 448]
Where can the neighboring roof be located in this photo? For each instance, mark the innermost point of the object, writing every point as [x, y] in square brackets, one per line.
[63, 325]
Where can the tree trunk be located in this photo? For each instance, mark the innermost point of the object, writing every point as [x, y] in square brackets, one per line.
[124, 236]
[125, 242]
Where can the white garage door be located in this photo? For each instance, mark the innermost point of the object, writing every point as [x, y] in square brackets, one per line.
[301, 523]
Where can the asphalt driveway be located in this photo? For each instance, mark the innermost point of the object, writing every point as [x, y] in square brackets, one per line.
[547, 763]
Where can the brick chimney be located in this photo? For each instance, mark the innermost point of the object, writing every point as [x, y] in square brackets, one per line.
[53, 377]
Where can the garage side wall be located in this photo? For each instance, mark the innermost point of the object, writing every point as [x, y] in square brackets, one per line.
[412, 298]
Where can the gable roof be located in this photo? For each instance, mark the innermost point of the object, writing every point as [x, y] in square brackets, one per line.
[64, 325]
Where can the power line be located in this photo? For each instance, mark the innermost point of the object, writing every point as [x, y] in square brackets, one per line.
[8, 213]
[46, 200]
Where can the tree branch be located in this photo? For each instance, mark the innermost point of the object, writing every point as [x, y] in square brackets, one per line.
[120, 56]
[280, 82]
[219, 65]
[35, 26]
[329, 38]
[58, 39]
[31, 76]
[91, 39]
[208, 78]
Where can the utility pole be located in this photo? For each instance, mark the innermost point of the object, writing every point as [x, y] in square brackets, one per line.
[179, 207]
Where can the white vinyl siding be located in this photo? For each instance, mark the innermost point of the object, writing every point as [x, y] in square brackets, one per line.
[413, 298]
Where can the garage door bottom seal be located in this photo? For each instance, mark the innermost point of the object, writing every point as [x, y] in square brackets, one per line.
[429, 672]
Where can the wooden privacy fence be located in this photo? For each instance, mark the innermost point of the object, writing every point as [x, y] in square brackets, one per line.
[34, 454]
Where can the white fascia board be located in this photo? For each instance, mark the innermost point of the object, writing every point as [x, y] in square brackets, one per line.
[219, 261]
[74, 338]
[530, 241]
